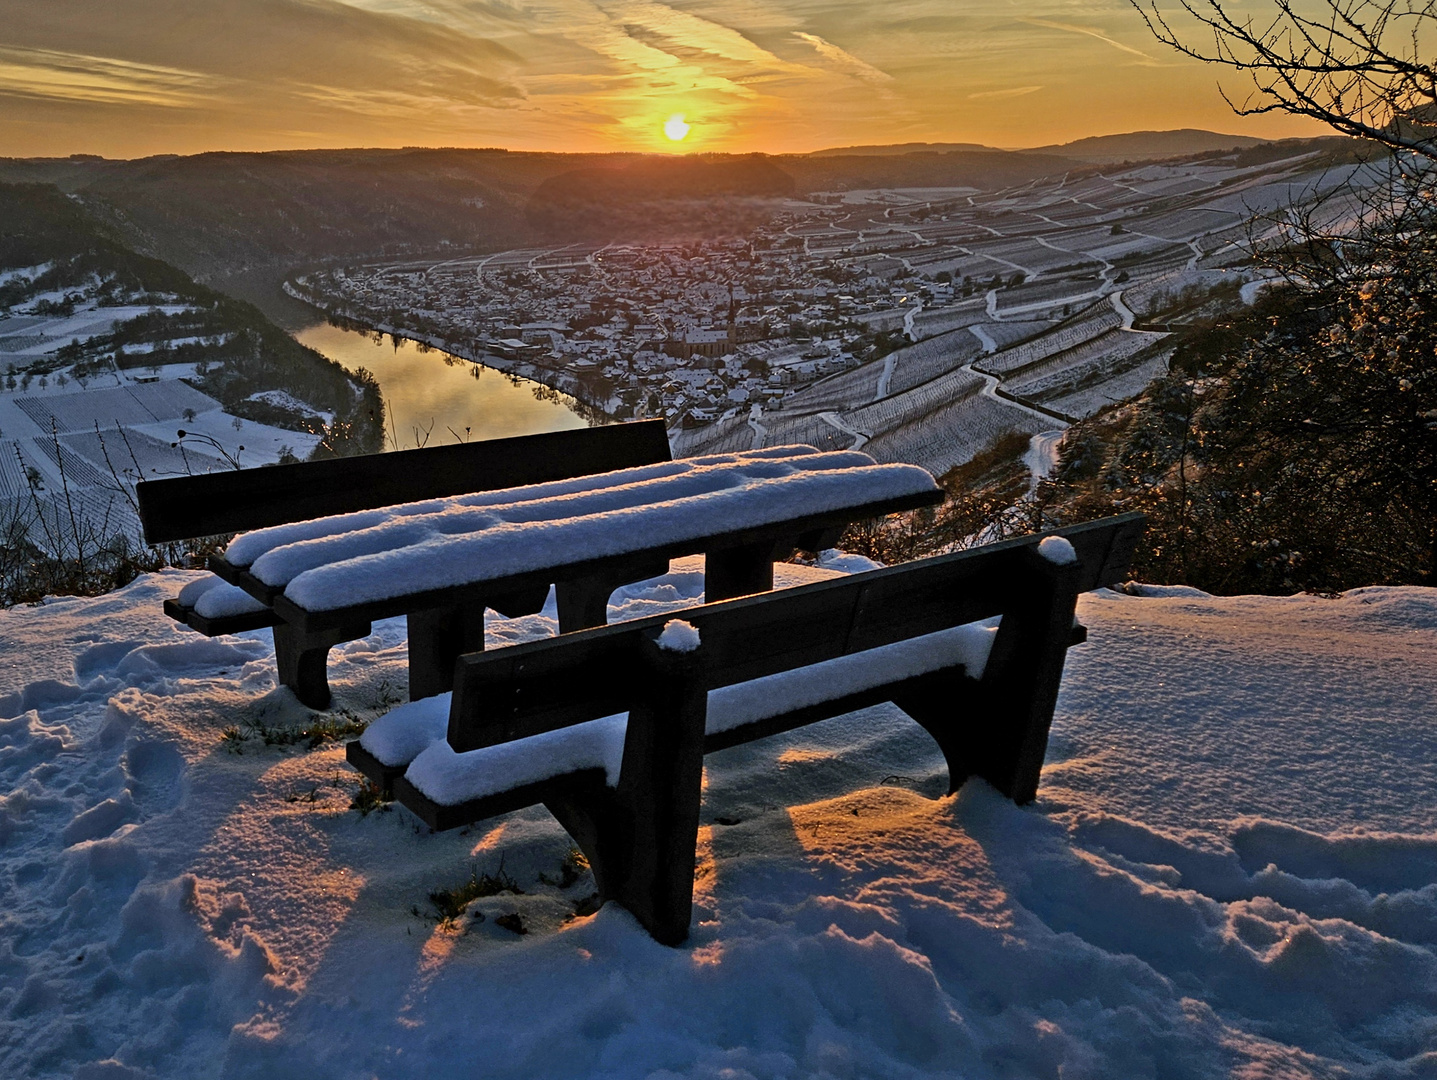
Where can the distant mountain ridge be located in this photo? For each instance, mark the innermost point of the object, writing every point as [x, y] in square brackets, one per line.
[1140, 145]
[900, 148]
[1098, 149]
[227, 218]
[655, 196]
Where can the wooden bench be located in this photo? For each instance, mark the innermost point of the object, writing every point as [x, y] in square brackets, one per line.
[185, 507]
[629, 790]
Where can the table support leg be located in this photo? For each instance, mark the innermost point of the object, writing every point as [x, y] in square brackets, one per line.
[438, 637]
[739, 571]
[584, 602]
[820, 540]
[301, 658]
[519, 602]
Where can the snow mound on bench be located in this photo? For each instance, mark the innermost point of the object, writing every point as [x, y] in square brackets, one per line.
[214, 599]
[401, 734]
[679, 636]
[450, 778]
[376, 555]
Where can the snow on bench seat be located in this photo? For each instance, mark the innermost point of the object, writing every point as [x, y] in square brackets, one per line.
[416, 732]
[214, 599]
[374, 555]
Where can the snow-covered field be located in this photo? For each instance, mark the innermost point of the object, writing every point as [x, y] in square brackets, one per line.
[1231, 870]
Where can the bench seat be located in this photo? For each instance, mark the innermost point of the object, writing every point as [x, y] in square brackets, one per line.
[410, 739]
[608, 727]
[212, 606]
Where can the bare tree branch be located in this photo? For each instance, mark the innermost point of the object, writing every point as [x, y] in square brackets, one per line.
[1359, 66]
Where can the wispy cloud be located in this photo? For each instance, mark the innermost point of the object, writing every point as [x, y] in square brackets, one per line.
[1011, 92]
[99, 80]
[844, 61]
[1088, 31]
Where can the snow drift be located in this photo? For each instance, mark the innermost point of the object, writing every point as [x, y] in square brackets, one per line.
[1231, 870]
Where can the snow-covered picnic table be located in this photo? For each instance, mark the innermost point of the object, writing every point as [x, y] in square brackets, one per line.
[442, 561]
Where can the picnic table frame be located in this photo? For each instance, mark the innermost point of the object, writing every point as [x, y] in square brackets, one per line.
[447, 622]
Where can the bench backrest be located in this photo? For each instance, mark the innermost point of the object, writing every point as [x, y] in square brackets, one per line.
[177, 508]
[539, 686]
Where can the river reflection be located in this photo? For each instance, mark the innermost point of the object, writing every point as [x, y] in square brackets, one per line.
[446, 396]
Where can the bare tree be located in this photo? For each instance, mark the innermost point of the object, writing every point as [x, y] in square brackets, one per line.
[1357, 66]
[1309, 459]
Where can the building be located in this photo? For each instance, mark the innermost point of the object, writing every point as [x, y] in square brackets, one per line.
[712, 343]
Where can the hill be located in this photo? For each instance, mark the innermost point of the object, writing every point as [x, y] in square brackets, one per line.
[893, 149]
[242, 222]
[58, 261]
[117, 367]
[657, 196]
[1142, 145]
[986, 169]
[1097, 149]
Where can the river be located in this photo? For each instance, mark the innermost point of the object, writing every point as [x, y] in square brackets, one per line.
[433, 397]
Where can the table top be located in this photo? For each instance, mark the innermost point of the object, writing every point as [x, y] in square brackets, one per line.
[360, 560]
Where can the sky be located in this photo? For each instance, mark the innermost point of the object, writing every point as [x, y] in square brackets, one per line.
[127, 78]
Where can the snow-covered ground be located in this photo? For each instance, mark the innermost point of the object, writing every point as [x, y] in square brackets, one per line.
[1231, 870]
[110, 433]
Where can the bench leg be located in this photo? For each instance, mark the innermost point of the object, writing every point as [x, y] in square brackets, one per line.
[1019, 688]
[739, 571]
[302, 657]
[439, 636]
[526, 601]
[819, 540]
[933, 701]
[640, 839]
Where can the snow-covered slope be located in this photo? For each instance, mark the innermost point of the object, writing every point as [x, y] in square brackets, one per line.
[1231, 871]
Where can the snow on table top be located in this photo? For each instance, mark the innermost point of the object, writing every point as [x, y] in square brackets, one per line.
[374, 555]
[416, 732]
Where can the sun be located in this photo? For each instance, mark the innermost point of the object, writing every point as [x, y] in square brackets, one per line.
[675, 128]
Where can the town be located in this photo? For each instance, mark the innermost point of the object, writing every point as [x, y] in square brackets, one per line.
[920, 324]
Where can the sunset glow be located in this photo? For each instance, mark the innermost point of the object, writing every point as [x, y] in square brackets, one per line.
[129, 79]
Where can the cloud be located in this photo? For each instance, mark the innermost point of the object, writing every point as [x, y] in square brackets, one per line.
[845, 61]
[77, 77]
[1012, 92]
[1088, 31]
[125, 77]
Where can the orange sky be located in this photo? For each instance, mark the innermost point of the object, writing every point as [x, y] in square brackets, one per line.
[126, 78]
